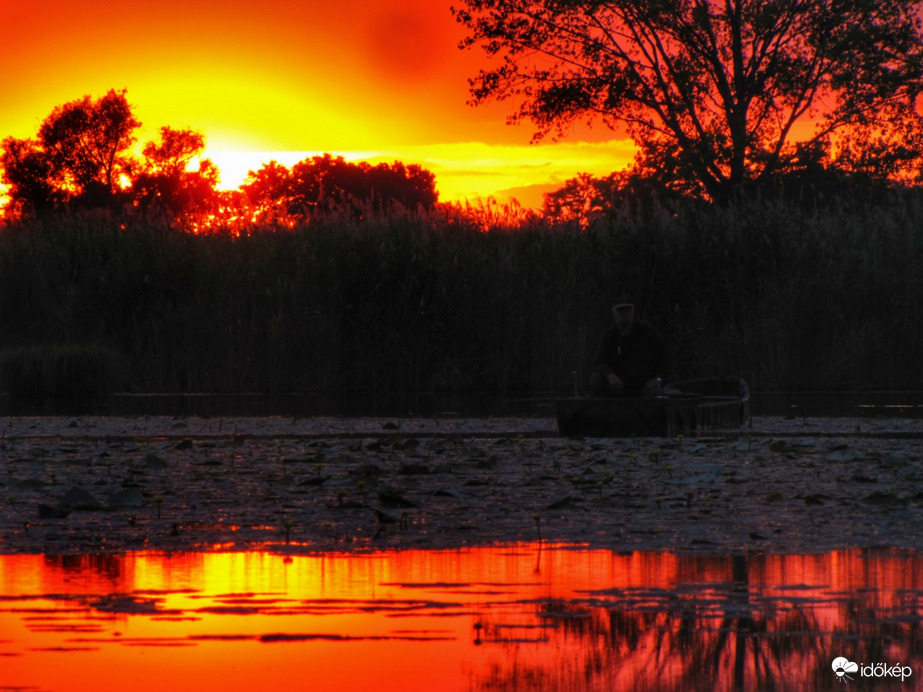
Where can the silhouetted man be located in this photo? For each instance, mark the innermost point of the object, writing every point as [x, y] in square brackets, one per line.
[632, 358]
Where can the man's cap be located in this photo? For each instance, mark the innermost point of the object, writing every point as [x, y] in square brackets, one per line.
[623, 306]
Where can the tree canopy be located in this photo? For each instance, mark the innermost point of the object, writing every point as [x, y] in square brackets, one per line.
[320, 183]
[81, 152]
[717, 94]
[163, 176]
[87, 141]
[82, 158]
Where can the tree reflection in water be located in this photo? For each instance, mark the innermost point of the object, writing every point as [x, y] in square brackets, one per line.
[485, 618]
[738, 630]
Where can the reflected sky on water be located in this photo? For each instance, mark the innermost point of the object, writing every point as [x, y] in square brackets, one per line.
[516, 617]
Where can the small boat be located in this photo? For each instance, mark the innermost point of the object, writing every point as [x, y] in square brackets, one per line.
[714, 403]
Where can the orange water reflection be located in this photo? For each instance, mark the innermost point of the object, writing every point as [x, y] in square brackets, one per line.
[498, 618]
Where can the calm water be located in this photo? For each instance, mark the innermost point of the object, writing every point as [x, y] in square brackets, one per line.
[497, 618]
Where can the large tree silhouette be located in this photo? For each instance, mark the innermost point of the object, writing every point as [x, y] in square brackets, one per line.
[88, 141]
[720, 93]
[81, 153]
[83, 156]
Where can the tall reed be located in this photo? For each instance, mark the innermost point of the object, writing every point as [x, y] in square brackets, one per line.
[474, 300]
[44, 371]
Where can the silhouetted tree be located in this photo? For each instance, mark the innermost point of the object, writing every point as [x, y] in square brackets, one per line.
[81, 155]
[164, 178]
[28, 173]
[710, 90]
[408, 185]
[327, 183]
[581, 199]
[173, 153]
[892, 154]
[88, 142]
[272, 182]
[585, 198]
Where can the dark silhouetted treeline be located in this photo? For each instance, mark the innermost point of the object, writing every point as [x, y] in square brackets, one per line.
[82, 159]
[329, 183]
[465, 299]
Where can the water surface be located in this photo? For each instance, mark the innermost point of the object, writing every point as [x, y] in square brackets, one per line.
[522, 617]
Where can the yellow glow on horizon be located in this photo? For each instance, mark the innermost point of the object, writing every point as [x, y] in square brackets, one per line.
[463, 170]
[235, 165]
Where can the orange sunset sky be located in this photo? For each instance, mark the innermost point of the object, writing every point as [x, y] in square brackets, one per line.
[368, 79]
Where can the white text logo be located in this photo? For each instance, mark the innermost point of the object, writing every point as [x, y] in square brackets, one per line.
[845, 669]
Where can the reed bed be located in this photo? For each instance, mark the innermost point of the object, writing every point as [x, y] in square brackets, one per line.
[474, 299]
[61, 370]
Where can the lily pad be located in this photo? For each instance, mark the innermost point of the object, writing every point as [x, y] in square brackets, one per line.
[77, 498]
[882, 498]
[155, 461]
[127, 497]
